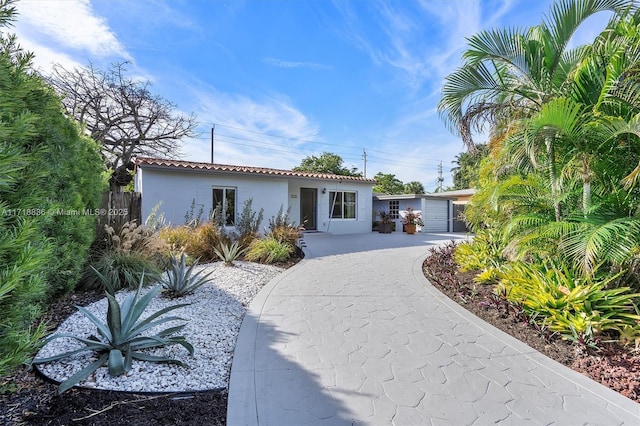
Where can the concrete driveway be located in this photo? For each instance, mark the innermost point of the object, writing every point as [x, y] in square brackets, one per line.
[354, 334]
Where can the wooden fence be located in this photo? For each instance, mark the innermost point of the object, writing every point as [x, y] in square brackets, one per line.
[117, 208]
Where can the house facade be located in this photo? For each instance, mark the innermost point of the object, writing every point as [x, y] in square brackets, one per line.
[317, 201]
[436, 212]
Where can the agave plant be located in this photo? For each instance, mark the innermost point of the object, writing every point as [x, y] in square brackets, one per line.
[178, 280]
[229, 253]
[121, 337]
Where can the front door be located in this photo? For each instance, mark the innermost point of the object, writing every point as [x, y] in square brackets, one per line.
[309, 208]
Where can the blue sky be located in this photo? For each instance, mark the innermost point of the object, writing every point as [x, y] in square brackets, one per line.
[282, 80]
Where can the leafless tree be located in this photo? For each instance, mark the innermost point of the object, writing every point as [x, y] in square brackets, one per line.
[122, 115]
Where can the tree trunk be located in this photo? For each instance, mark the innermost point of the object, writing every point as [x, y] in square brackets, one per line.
[586, 196]
[551, 153]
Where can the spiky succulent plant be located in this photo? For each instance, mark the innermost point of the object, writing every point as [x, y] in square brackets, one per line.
[121, 338]
[179, 279]
[229, 253]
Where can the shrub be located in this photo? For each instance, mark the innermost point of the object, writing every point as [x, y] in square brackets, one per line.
[120, 269]
[269, 250]
[178, 280]
[568, 303]
[135, 238]
[176, 237]
[229, 253]
[47, 168]
[126, 255]
[199, 242]
[282, 229]
[248, 225]
[481, 254]
[121, 337]
[192, 219]
[205, 238]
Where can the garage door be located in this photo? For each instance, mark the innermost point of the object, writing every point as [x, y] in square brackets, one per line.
[436, 216]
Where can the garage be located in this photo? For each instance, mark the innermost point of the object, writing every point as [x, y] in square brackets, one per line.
[436, 211]
[436, 215]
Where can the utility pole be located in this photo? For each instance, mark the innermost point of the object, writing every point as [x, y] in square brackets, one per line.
[364, 158]
[212, 131]
[440, 177]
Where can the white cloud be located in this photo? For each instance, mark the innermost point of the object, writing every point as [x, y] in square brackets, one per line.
[243, 126]
[57, 30]
[71, 23]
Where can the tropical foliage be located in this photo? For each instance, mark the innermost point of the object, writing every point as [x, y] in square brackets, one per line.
[465, 172]
[388, 184]
[560, 179]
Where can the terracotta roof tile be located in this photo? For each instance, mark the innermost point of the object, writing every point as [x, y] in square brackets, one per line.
[160, 162]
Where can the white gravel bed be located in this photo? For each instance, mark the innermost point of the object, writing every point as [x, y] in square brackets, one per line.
[214, 319]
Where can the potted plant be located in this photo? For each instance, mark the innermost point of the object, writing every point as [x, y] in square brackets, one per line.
[410, 220]
[385, 226]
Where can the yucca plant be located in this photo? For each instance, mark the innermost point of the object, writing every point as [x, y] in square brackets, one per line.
[179, 281]
[121, 337]
[229, 253]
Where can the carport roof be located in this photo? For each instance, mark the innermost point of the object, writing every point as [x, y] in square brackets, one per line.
[387, 197]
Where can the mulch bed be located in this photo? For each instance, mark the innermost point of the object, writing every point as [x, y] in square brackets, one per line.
[613, 365]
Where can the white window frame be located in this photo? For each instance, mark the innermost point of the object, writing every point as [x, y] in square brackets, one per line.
[225, 202]
[338, 197]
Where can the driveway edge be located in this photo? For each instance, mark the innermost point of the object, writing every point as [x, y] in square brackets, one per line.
[615, 401]
[241, 403]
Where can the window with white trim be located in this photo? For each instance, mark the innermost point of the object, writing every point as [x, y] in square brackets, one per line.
[225, 197]
[394, 209]
[343, 204]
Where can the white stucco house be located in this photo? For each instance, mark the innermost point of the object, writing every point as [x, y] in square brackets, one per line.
[436, 212]
[320, 202]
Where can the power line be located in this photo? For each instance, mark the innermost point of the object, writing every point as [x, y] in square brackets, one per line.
[374, 160]
[310, 150]
[305, 140]
[270, 146]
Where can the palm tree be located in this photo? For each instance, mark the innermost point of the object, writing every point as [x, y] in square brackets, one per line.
[511, 74]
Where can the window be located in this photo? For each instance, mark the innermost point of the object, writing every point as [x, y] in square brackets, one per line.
[343, 204]
[225, 197]
[394, 209]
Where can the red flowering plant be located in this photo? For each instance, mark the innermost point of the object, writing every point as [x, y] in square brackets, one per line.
[412, 218]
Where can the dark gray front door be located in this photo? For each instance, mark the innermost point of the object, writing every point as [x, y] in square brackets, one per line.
[309, 208]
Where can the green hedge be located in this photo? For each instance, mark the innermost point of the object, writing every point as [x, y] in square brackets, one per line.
[47, 168]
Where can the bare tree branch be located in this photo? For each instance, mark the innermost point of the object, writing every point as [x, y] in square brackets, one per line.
[121, 114]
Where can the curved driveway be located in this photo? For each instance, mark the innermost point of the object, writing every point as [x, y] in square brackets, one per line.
[354, 334]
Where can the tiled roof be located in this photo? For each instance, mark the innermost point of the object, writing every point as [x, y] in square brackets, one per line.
[226, 168]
